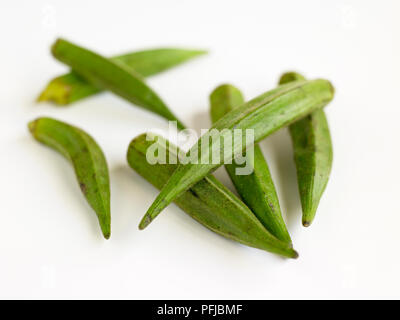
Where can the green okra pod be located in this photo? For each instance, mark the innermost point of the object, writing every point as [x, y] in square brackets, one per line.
[87, 159]
[208, 201]
[68, 88]
[104, 73]
[313, 155]
[257, 188]
[263, 115]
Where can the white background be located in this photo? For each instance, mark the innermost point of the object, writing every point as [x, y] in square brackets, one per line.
[50, 242]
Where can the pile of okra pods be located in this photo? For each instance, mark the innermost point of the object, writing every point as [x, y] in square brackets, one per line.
[255, 219]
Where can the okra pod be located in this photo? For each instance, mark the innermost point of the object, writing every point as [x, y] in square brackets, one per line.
[208, 201]
[87, 159]
[257, 188]
[263, 115]
[313, 155]
[68, 88]
[104, 73]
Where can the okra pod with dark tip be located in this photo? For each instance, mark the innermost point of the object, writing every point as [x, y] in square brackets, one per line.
[68, 88]
[208, 202]
[104, 73]
[87, 159]
[313, 155]
[263, 115]
[257, 188]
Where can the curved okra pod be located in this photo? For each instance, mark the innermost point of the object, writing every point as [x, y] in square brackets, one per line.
[313, 155]
[256, 188]
[87, 159]
[263, 115]
[208, 201]
[106, 74]
[70, 87]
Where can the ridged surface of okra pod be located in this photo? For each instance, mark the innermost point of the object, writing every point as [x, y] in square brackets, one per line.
[265, 114]
[68, 88]
[87, 160]
[209, 202]
[106, 74]
[313, 154]
[257, 188]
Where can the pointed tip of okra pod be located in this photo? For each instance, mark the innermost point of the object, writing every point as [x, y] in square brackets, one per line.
[105, 224]
[146, 220]
[295, 255]
[107, 235]
[290, 254]
[306, 223]
[307, 219]
[308, 216]
[157, 206]
[200, 52]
